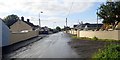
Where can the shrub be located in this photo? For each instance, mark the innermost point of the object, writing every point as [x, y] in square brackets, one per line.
[74, 37]
[110, 51]
[95, 38]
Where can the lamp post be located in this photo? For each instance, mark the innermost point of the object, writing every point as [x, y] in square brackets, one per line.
[97, 19]
[39, 19]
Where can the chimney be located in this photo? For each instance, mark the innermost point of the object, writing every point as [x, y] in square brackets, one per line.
[22, 18]
[28, 20]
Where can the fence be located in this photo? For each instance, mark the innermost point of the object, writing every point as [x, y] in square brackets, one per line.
[99, 34]
[17, 37]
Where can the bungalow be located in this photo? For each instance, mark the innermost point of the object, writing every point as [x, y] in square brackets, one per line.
[87, 26]
[23, 26]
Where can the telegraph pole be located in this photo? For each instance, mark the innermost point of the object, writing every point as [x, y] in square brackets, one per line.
[39, 20]
[66, 26]
[66, 22]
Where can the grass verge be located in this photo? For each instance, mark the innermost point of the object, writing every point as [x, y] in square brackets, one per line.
[109, 52]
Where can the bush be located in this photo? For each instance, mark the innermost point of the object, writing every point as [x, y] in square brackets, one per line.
[110, 51]
[74, 37]
[81, 38]
[95, 38]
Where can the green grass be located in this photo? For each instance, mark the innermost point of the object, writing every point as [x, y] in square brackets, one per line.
[81, 38]
[109, 52]
[106, 53]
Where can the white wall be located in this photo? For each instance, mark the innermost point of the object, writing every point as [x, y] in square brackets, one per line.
[5, 34]
[99, 34]
[0, 33]
[74, 32]
[0, 39]
[7, 38]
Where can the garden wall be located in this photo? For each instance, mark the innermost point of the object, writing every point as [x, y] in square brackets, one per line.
[17, 37]
[99, 34]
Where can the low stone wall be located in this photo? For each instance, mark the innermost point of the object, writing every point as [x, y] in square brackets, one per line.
[17, 37]
[100, 34]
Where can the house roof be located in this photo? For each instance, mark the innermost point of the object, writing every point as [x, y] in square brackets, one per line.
[29, 23]
[88, 25]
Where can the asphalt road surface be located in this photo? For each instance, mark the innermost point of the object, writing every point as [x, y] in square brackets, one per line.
[52, 46]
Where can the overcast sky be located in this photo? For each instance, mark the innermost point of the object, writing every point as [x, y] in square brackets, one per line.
[54, 11]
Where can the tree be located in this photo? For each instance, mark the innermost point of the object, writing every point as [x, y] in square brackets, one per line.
[66, 28]
[107, 13]
[58, 28]
[117, 11]
[110, 13]
[10, 19]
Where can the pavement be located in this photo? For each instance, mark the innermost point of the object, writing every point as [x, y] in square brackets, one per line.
[52, 46]
[16, 46]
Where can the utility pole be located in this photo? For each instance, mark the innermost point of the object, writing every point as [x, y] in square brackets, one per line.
[66, 22]
[39, 20]
[66, 28]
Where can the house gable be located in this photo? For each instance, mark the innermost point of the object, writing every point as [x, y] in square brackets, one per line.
[20, 26]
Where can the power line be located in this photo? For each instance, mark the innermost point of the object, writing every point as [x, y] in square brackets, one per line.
[69, 12]
[70, 9]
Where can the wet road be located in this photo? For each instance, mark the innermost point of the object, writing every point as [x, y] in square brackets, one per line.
[53, 46]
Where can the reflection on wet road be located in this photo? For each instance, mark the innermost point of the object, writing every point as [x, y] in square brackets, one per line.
[53, 46]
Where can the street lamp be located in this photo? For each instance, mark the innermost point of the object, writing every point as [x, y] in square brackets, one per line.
[39, 19]
[97, 18]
